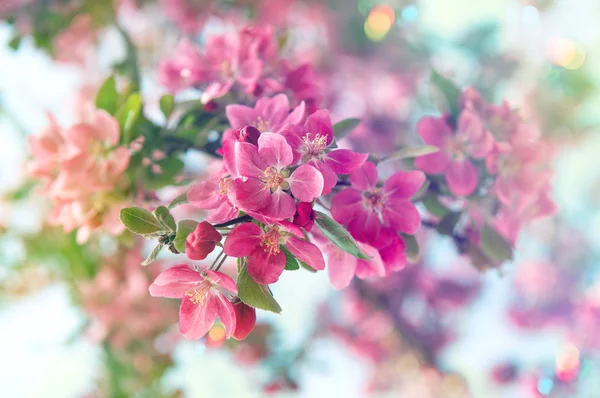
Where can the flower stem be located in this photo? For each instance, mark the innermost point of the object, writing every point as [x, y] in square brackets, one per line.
[237, 220]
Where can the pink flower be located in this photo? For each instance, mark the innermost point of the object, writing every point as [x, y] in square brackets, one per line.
[269, 114]
[366, 207]
[311, 145]
[268, 178]
[305, 216]
[453, 158]
[75, 44]
[214, 195]
[186, 68]
[342, 267]
[202, 241]
[302, 82]
[47, 149]
[245, 319]
[203, 299]
[266, 260]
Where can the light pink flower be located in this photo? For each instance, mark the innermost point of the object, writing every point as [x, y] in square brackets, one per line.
[203, 299]
[312, 145]
[366, 207]
[263, 247]
[342, 266]
[453, 159]
[185, 69]
[214, 195]
[269, 114]
[268, 178]
[47, 149]
[303, 83]
[75, 44]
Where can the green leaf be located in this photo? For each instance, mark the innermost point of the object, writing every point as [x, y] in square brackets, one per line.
[433, 206]
[290, 261]
[179, 200]
[307, 267]
[184, 228]
[445, 94]
[413, 252]
[345, 127]
[153, 254]
[108, 96]
[169, 169]
[167, 105]
[255, 295]
[338, 235]
[140, 221]
[165, 218]
[412, 152]
[494, 245]
[15, 42]
[128, 115]
[448, 223]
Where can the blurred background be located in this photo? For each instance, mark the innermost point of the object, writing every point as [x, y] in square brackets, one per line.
[73, 325]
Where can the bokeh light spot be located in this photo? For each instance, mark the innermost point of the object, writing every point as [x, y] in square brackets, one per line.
[545, 385]
[566, 53]
[379, 22]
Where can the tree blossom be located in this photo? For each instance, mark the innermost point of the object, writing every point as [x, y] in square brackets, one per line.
[269, 114]
[215, 195]
[204, 298]
[245, 319]
[202, 241]
[263, 247]
[366, 207]
[268, 178]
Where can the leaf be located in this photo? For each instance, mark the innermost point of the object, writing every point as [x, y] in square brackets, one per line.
[412, 152]
[338, 235]
[307, 267]
[108, 96]
[345, 127]
[413, 251]
[494, 245]
[179, 200]
[448, 223]
[184, 228]
[140, 221]
[128, 115]
[445, 94]
[15, 42]
[153, 254]
[433, 206]
[165, 218]
[169, 169]
[167, 104]
[290, 261]
[255, 295]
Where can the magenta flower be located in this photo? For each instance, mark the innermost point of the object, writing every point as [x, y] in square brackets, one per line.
[268, 178]
[202, 241]
[245, 319]
[453, 158]
[366, 207]
[203, 299]
[214, 195]
[312, 145]
[305, 216]
[266, 260]
[269, 114]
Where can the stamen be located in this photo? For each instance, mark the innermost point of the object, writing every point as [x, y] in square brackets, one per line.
[199, 294]
[273, 178]
[270, 240]
[225, 185]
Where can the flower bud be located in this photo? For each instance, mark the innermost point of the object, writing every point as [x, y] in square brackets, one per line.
[305, 216]
[248, 134]
[245, 319]
[202, 241]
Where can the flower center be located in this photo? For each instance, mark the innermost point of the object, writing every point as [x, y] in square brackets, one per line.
[98, 150]
[273, 178]
[374, 199]
[262, 125]
[270, 241]
[200, 293]
[225, 185]
[313, 145]
[457, 147]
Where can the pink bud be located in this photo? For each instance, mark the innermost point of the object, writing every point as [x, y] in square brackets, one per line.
[200, 243]
[248, 134]
[305, 216]
[245, 319]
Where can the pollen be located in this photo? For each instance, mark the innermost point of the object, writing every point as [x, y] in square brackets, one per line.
[314, 144]
[273, 178]
[270, 241]
[199, 294]
[225, 185]
[262, 125]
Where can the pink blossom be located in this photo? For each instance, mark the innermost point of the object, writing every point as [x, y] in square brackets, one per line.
[245, 317]
[263, 247]
[305, 216]
[342, 266]
[269, 114]
[366, 207]
[214, 195]
[302, 82]
[268, 178]
[185, 69]
[312, 145]
[75, 44]
[202, 241]
[453, 158]
[203, 299]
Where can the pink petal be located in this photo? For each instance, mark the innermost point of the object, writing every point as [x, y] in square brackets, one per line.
[345, 205]
[341, 267]
[279, 205]
[365, 177]
[434, 131]
[306, 183]
[265, 268]
[195, 320]
[274, 150]
[307, 252]
[240, 116]
[370, 268]
[225, 212]
[434, 163]
[345, 161]
[250, 195]
[296, 116]
[274, 110]
[320, 123]
[249, 73]
[221, 280]
[330, 179]
[175, 282]
[404, 184]
[245, 319]
[365, 226]
[205, 195]
[242, 241]
[291, 227]
[226, 314]
[117, 161]
[402, 215]
[462, 177]
[107, 127]
[248, 161]
[215, 90]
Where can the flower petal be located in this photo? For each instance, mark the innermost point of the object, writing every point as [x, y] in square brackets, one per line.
[433, 131]
[365, 177]
[402, 215]
[345, 161]
[274, 150]
[195, 320]
[462, 177]
[221, 280]
[175, 282]
[278, 206]
[404, 184]
[320, 123]
[345, 205]
[245, 319]
[242, 241]
[265, 268]
[434, 163]
[307, 252]
[248, 161]
[370, 268]
[341, 267]
[240, 116]
[306, 183]
[226, 313]
[250, 195]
